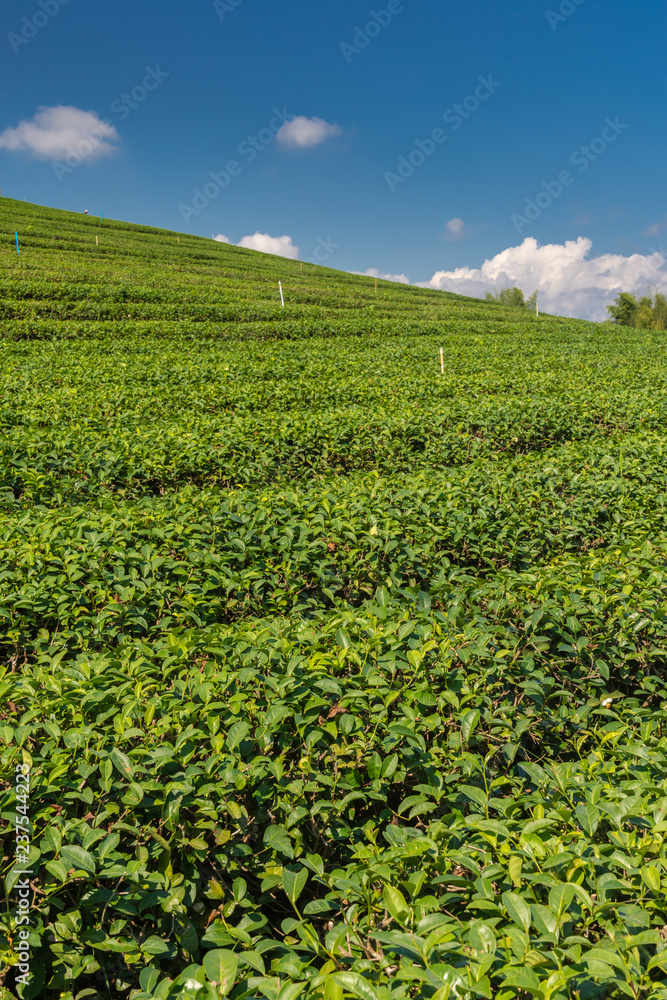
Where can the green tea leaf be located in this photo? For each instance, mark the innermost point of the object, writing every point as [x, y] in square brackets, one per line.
[221, 967]
[560, 898]
[343, 639]
[469, 723]
[523, 978]
[77, 858]
[396, 904]
[290, 991]
[515, 867]
[276, 838]
[518, 909]
[588, 817]
[352, 982]
[651, 877]
[237, 733]
[294, 883]
[122, 763]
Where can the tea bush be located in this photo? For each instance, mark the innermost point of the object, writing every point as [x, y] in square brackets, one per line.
[335, 677]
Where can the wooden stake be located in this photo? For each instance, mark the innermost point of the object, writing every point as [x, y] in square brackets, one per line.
[442, 360]
[97, 241]
[376, 286]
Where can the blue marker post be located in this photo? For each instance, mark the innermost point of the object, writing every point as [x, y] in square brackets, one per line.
[17, 244]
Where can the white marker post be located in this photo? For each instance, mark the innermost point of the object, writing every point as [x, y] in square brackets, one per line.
[442, 360]
[282, 297]
[537, 307]
[97, 241]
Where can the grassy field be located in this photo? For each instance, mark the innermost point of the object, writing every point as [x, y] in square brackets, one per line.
[324, 674]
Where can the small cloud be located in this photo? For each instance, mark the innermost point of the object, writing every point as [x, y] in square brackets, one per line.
[303, 133]
[282, 246]
[455, 230]
[657, 227]
[373, 272]
[583, 219]
[61, 131]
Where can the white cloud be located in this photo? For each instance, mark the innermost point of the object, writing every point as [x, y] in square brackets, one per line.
[373, 272]
[282, 246]
[455, 230]
[570, 282]
[302, 132]
[55, 133]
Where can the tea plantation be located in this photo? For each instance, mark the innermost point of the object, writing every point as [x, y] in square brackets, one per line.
[332, 676]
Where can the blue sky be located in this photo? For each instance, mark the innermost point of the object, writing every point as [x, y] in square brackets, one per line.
[558, 73]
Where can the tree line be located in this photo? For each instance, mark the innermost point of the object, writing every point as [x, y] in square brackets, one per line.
[646, 313]
[513, 297]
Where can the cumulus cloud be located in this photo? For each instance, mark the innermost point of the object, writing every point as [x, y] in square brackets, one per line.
[569, 280]
[55, 133]
[281, 246]
[302, 132]
[455, 230]
[373, 272]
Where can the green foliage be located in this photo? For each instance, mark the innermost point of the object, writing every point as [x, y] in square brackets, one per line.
[624, 309]
[514, 298]
[337, 677]
[660, 312]
[646, 314]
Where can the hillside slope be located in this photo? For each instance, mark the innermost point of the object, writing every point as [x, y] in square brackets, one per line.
[333, 675]
[150, 281]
